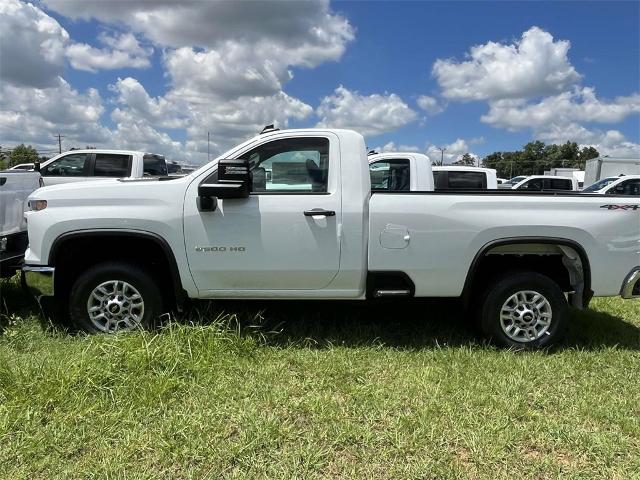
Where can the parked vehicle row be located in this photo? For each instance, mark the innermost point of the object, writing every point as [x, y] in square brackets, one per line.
[408, 171]
[304, 214]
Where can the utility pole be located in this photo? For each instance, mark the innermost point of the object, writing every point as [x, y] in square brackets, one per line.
[208, 154]
[442, 149]
[60, 137]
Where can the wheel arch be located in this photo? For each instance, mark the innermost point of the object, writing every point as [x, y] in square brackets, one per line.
[63, 244]
[577, 266]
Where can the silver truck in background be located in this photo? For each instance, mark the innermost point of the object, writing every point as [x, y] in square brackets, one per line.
[15, 188]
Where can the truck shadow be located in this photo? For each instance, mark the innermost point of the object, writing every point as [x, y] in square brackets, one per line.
[406, 325]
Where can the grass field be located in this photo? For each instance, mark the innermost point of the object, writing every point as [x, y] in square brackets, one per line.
[310, 390]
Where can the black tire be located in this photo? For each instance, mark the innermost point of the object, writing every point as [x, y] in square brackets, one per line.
[502, 289]
[129, 316]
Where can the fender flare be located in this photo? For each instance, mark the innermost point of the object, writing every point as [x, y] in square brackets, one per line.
[583, 298]
[180, 294]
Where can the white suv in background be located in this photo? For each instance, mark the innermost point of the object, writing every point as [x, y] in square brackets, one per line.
[545, 182]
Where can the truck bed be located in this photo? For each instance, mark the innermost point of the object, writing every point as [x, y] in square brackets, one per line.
[446, 230]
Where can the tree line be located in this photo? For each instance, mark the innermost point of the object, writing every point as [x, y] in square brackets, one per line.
[20, 154]
[536, 157]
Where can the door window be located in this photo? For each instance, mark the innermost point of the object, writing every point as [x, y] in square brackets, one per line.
[111, 165]
[535, 184]
[630, 187]
[290, 165]
[391, 175]
[72, 165]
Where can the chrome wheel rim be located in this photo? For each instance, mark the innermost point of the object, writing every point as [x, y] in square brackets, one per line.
[526, 316]
[115, 306]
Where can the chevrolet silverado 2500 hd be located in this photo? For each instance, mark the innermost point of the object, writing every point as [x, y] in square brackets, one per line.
[290, 215]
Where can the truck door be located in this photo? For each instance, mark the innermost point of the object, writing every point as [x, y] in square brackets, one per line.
[285, 236]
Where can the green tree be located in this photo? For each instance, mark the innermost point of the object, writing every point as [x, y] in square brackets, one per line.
[466, 160]
[23, 154]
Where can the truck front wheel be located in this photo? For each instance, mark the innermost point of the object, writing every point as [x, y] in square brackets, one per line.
[114, 296]
[524, 310]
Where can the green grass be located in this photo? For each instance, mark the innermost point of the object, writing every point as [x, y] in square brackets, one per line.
[311, 390]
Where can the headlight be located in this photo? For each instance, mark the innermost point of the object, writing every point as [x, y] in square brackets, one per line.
[37, 205]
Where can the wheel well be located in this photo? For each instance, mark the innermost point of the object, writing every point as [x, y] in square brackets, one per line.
[73, 253]
[565, 263]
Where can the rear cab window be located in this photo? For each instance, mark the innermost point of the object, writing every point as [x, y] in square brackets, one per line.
[112, 165]
[390, 174]
[461, 180]
[154, 166]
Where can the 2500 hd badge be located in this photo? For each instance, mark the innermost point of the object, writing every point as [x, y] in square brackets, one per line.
[220, 249]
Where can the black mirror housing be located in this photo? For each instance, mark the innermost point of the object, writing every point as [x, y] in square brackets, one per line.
[234, 181]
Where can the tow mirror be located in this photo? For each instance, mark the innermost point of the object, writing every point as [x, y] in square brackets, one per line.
[234, 181]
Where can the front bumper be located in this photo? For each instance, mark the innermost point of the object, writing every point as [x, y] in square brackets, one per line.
[38, 279]
[631, 286]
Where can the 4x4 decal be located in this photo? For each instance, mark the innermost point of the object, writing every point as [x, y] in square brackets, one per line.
[621, 207]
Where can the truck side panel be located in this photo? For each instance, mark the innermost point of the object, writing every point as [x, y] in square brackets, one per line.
[434, 238]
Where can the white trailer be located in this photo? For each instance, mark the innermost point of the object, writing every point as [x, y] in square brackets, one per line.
[602, 167]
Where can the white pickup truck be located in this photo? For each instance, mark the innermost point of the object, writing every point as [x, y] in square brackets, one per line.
[409, 171]
[120, 253]
[15, 188]
[95, 164]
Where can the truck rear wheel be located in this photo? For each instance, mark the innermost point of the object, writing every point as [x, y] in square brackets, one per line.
[114, 296]
[524, 310]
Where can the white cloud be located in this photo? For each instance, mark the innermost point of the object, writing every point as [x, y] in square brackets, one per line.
[392, 147]
[307, 31]
[534, 65]
[32, 45]
[609, 142]
[123, 51]
[133, 97]
[578, 105]
[430, 105]
[34, 115]
[227, 63]
[234, 70]
[229, 122]
[370, 115]
[452, 153]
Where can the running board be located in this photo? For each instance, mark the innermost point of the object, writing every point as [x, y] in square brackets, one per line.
[391, 293]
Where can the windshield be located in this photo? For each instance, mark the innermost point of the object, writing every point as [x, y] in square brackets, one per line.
[514, 180]
[600, 184]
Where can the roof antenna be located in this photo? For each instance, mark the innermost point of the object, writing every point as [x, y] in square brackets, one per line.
[269, 128]
[372, 152]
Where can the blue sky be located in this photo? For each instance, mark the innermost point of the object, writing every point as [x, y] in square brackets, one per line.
[361, 65]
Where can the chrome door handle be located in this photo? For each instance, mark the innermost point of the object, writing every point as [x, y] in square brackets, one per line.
[319, 212]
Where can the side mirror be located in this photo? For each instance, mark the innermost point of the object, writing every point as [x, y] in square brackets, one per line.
[234, 181]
